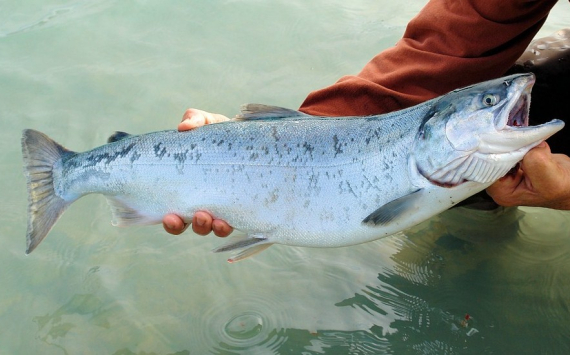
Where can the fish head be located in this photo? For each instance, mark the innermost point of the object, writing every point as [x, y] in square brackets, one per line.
[479, 133]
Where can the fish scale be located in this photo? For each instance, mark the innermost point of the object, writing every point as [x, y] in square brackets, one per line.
[281, 176]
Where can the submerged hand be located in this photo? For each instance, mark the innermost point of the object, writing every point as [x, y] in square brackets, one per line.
[202, 222]
[542, 180]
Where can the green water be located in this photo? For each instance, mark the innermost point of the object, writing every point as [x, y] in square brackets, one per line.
[79, 70]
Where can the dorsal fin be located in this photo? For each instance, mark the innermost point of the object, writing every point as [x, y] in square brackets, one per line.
[117, 136]
[265, 112]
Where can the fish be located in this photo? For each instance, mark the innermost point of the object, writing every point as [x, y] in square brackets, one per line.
[279, 176]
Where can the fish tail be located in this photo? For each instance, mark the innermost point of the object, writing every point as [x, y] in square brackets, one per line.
[40, 154]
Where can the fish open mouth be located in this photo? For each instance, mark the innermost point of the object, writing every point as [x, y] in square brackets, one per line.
[491, 141]
[519, 114]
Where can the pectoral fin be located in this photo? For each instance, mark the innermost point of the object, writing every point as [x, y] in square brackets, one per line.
[251, 245]
[395, 209]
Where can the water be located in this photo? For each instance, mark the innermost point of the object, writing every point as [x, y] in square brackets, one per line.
[79, 70]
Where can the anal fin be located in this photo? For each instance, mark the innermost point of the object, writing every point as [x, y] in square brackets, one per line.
[249, 244]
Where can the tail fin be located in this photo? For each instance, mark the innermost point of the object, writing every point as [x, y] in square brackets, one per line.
[40, 154]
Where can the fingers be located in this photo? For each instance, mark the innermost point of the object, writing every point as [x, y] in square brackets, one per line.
[543, 180]
[541, 169]
[173, 224]
[549, 176]
[194, 118]
[503, 191]
[221, 228]
[203, 223]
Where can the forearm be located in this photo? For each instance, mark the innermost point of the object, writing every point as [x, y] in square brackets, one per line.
[449, 44]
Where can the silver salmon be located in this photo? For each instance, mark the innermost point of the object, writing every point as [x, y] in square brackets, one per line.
[281, 176]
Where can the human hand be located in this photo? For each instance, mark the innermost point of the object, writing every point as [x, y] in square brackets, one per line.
[194, 118]
[542, 180]
[202, 222]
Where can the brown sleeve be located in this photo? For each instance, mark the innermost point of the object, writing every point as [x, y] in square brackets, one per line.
[449, 44]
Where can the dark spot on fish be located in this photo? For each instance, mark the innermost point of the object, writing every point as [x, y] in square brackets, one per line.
[197, 157]
[158, 151]
[350, 189]
[135, 156]
[308, 148]
[180, 158]
[337, 146]
[274, 133]
[340, 187]
[95, 159]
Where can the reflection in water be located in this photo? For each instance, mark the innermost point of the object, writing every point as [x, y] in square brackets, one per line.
[456, 295]
[55, 326]
[434, 293]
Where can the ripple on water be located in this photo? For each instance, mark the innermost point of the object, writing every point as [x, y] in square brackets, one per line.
[31, 18]
[249, 324]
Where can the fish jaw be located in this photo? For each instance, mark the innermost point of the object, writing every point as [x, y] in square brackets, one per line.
[481, 134]
[512, 135]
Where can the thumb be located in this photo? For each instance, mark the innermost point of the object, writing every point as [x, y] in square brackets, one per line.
[539, 167]
[537, 158]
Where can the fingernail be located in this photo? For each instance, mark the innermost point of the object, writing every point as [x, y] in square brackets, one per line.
[169, 226]
[200, 221]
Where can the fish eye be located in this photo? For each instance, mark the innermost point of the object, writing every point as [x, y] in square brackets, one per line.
[490, 100]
